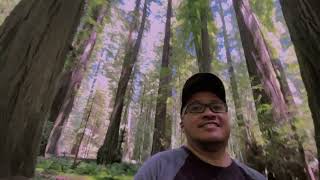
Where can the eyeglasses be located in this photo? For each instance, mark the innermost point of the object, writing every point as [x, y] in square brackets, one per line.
[197, 107]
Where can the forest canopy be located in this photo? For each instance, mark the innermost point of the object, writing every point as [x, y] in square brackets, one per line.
[97, 84]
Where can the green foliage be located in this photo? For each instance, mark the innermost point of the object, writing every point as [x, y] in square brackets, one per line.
[45, 135]
[190, 23]
[53, 165]
[263, 108]
[264, 10]
[88, 23]
[217, 66]
[44, 164]
[258, 86]
[165, 71]
[117, 169]
[58, 166]
[89, 169]
[93, 9]
[68, 64]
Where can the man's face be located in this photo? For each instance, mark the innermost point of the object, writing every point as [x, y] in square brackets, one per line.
[208, 126]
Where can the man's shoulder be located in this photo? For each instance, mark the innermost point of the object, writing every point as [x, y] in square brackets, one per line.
[163, 165]
[255, 175]
[169, 156]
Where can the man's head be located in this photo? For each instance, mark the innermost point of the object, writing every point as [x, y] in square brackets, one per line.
[204, 112]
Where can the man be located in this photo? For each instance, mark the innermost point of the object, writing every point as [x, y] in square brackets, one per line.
[205, 123]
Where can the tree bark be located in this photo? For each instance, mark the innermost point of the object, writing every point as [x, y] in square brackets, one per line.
[233, 82]
[86, 120]
[125, 122]
[56, 106]
[106, 153]
[303, 21]
[292, 117]
[202, 45]
[147, 140]
[160, 141]
[259, 62]
[34, 41]
[247, 141]
[270, 103]
[66, 103]
[140, 125]
[88, 109]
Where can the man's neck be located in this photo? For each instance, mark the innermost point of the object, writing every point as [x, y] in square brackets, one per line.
[216, 157]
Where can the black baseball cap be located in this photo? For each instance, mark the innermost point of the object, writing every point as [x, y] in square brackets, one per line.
[202, 82]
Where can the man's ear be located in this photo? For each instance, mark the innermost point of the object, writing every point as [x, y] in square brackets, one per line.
[181, 125]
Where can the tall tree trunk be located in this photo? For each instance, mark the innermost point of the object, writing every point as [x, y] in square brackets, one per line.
[233, 82]
[259, 62]
[86, 120]
[89, 104]
[160, 141]
[247, 141]
[293, 112]
[33, 48]
[262, 73]
[147, 140]
[125, 122]
[128, 97]
[202, 45]
[65, 103]
[107, 153]
[300, 164]
[169, 117]
[55, 108]
[303, 20]
[138, 140]
[205, 42]
[234, 86]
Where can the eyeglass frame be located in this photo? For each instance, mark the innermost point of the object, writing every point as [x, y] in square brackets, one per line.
[206, 105]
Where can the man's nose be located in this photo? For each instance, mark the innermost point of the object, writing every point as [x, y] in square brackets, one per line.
[208, 113]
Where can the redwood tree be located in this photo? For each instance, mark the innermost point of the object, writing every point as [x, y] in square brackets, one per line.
[160, 141]
[34, 41]
[251, 153]
[303, 20]
[270, 103]
[64, 100]
[203, 49]
[108, 151]
[196, 19]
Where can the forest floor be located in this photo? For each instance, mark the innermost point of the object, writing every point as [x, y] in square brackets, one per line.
[60, 169]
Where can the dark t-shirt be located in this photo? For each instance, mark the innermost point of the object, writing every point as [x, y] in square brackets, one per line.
[182, 164]
[195, 169]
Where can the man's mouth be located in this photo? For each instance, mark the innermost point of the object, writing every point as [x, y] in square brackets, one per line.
[210, 124]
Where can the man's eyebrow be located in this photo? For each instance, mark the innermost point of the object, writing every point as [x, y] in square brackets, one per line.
[195, 101]
[212, 101]
[217, 101]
